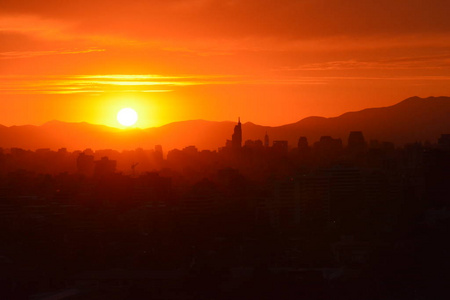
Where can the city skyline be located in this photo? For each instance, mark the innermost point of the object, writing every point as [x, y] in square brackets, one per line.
[331, 219]
[411, 120]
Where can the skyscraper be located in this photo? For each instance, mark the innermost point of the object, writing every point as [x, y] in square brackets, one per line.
[236, 138]
[266, 140]
[356, 142]
[302, 143]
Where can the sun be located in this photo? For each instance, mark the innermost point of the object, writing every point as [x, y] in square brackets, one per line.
[127, 116]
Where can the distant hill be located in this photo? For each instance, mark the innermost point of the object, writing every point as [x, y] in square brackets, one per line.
[414, 119]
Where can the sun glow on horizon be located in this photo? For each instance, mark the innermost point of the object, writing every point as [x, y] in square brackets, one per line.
[127, 117]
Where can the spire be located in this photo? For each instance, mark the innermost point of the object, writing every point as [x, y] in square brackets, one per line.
[236, 138]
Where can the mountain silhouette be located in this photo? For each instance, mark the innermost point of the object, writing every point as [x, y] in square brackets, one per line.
[414, 119]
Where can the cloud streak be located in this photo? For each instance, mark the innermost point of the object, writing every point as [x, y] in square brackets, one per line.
[92, 84]
[128, 83]
[28, 54]
[403, 63]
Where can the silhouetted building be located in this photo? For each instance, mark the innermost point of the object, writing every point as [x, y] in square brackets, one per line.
[346, 194]
[159, 151]
[303, 148]
[315, 199]
[302, 143]
[199, 205]
[237, 135]
[329, 142]
[105, 166]
[284, 206]
[88, 151]
[190, 150]
[85, 164]
[436, 170]
[444, 141]
[253, 144]
[42, 150]
[153, 189]
[328, 149]
[280, 147]
[266, 140]
[356, 142]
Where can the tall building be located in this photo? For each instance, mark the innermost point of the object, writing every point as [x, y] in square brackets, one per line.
[327, 145]
[104, 167]
[356, 142]
[327, 150]
[158, 149]
[444, 141]
[280, 147]
[85, 164]
[302, 143]
[236, 138]
[346, 195]
[303, 147]
[266, 140]
[158, 154]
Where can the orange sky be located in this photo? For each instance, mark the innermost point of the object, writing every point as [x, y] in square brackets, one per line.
[270, 62]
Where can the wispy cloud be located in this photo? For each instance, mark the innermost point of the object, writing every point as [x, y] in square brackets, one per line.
[402, 63]
[140, 83]
[93, 84]
[96, 84]
[27, 54]
[34, 26]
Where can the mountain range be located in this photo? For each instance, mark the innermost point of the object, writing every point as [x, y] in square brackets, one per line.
[411, 120]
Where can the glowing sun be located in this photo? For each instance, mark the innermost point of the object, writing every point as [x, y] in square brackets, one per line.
[127, 116]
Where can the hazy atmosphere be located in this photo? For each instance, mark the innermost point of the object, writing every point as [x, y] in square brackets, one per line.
[270, 62]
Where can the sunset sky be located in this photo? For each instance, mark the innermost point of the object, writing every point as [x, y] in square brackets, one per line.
[269, 62]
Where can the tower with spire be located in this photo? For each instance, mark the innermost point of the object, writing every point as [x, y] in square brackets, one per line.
[236, 138]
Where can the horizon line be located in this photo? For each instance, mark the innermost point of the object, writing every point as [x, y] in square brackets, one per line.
[215, 121]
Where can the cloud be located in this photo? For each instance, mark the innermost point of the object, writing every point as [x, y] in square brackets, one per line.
[34, 25]
[254, 39]
[284, 19]
[93, 84]
[27, 54]
[147, 83]
[402, 63]
[224, 28]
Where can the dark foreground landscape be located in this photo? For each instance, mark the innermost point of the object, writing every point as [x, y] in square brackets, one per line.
[327, 218]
